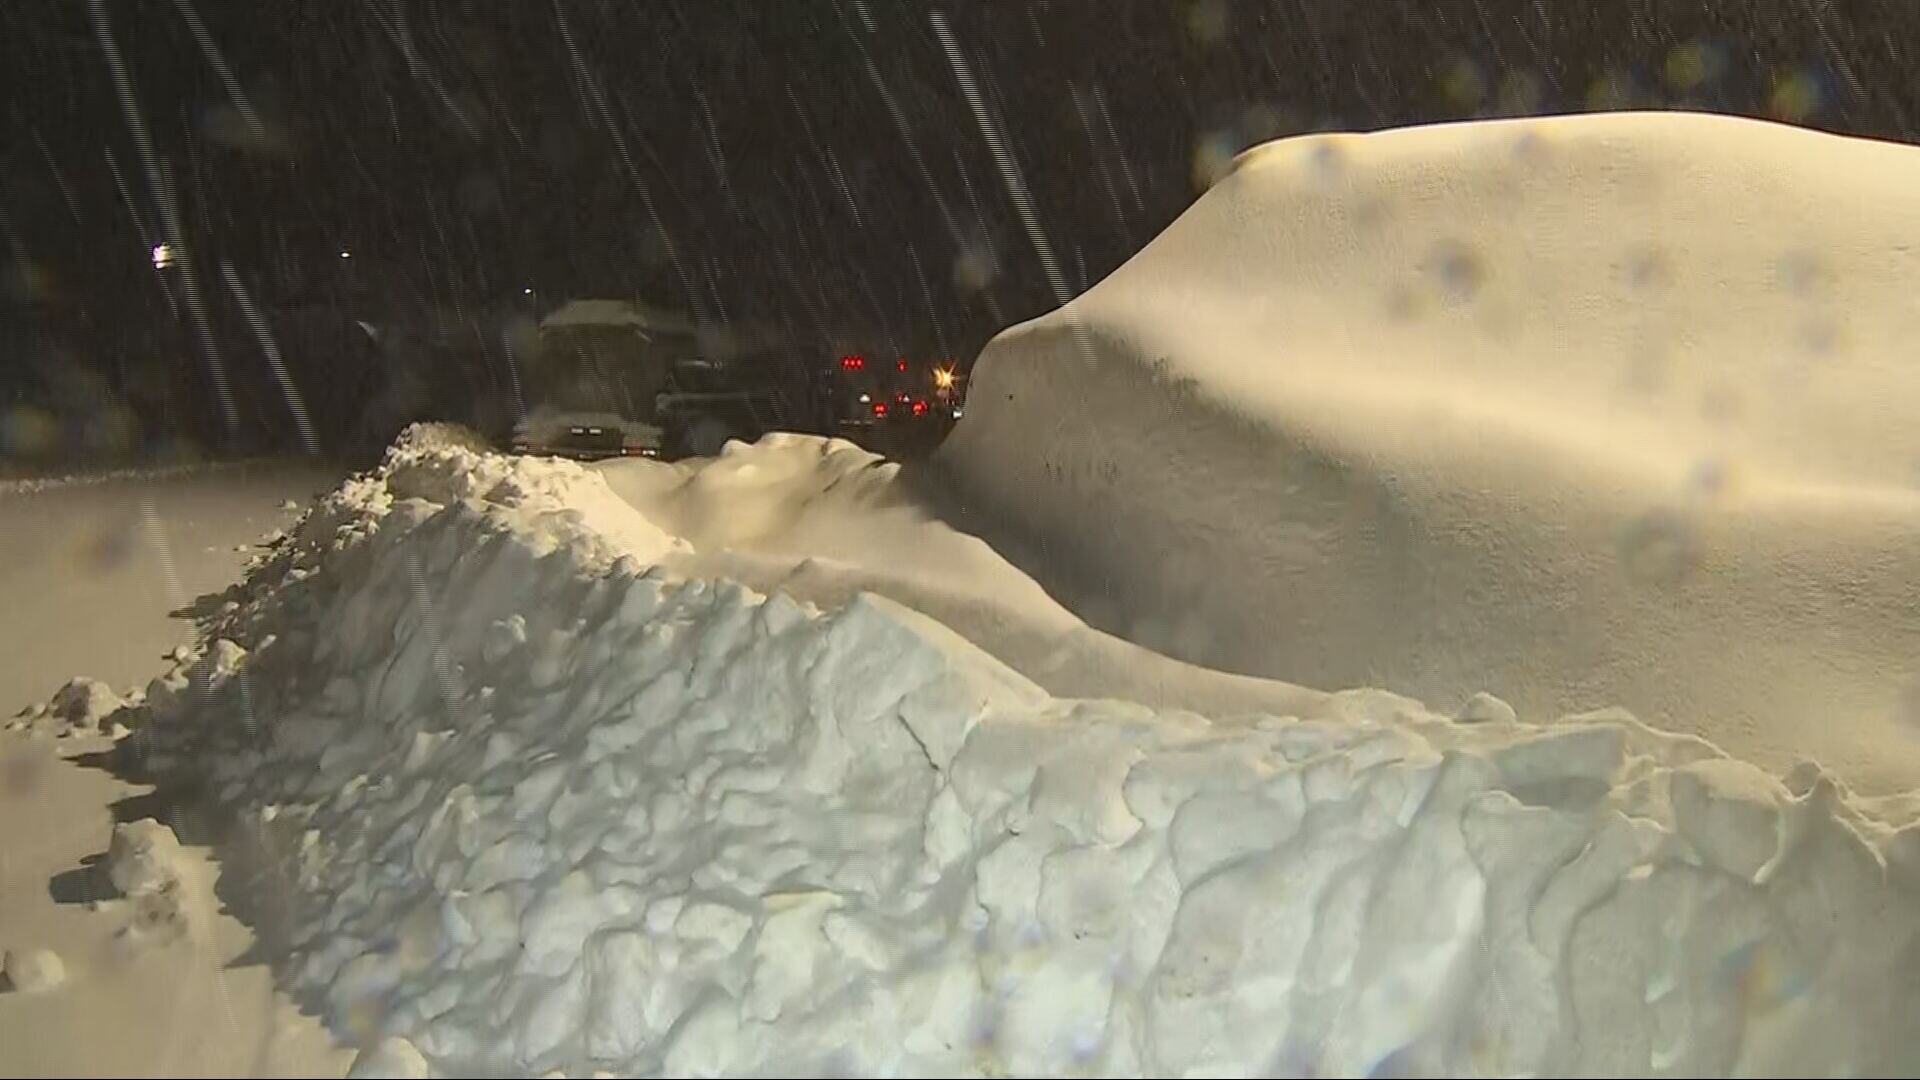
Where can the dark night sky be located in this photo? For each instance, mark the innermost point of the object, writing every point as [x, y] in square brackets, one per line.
[739, 157]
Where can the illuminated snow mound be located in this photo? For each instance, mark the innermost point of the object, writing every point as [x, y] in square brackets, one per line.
[539, 806]
[1591, 410]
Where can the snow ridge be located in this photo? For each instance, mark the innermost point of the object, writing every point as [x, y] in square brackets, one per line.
[542, 806]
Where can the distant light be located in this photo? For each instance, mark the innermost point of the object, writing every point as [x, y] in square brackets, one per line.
[528, 291]
[864, 399]
[162, 256]
[956, 413]
[345, 254]
[943, 378]
[879, 408]
[900, 365]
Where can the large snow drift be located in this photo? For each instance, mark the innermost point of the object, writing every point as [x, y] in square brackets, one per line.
[544, 805]
[823, 520]
[1583, 410]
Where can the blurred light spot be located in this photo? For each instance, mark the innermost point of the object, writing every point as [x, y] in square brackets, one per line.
[1799, 272]
[1710, 479]
[1530, 148]
[1463, 85]
[1907, 709]
[1213, 158]
[1693, 64]
[1659, 548]
[162, 256]
[229, 127]
[1208, 20]
[22, 774]
[1820, 336]
[1648, 269]
[26, 431]
[1261, 123]
[345, 254]
[1400, 1062]
[111, 430]
[1520, 94]
[1327, 159]
[479, 194]
[1611, 91]
[29, 282]
[1085, 1046]
[975, 267]
[1796, 96]
[1459, 270]
[1761, 976]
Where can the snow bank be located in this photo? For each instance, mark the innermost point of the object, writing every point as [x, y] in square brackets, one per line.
[1585, 410]
[545, 807]
[823, 521]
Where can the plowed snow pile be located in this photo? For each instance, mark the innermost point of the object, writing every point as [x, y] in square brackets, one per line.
[1585, 411]
[544, 805]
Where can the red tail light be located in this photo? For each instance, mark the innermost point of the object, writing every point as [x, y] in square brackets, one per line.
[919, 408]
[879, 408]
[853, 363]
[900, 365]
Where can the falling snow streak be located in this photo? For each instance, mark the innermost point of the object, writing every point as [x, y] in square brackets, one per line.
[1002, 158]
[1081, 109]
[900, 123]
[395, 26]
[846, 190]
[295, 403]
[169, 211]
[599, 100]
[716, 155]
[933, 312]
[219, 64]
[59, 178]
[1119, 150]
[983, 235]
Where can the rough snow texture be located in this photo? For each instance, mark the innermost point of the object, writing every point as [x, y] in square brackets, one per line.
[391, 1057]
[1587, 411]
[542, 807]
[143, 857]
[83, 706]
[33, 971]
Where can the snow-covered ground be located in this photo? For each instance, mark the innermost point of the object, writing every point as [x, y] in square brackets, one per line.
[91, 566]
[760, 766]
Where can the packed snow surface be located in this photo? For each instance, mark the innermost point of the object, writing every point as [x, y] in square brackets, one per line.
[542, 803]
[1585, 411]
